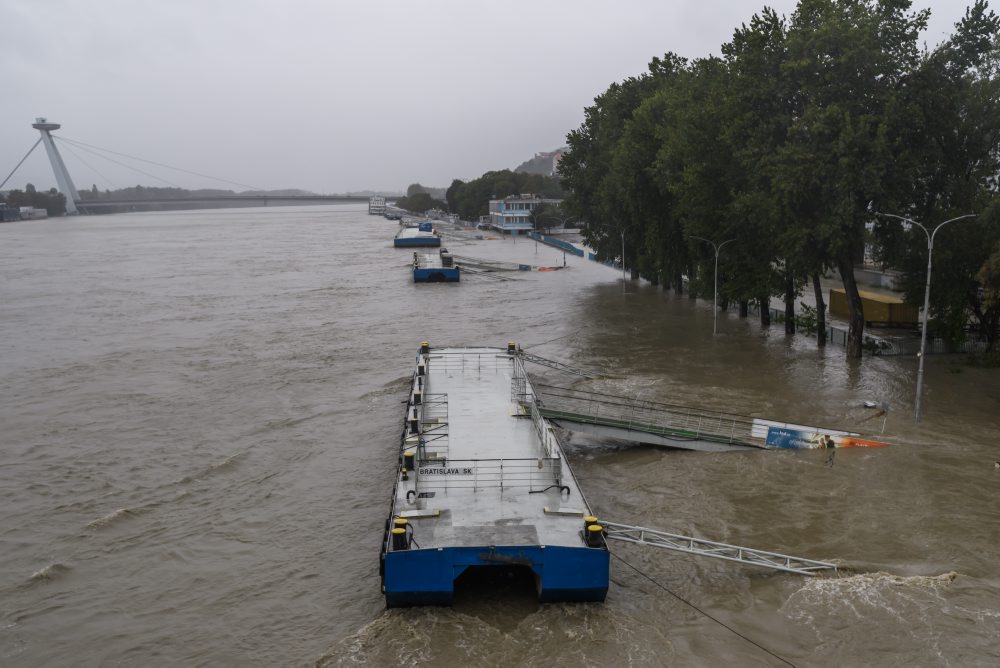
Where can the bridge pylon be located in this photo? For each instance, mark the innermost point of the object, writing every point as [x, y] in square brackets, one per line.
[66, 186]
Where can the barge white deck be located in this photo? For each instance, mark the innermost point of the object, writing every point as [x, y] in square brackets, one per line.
[488, 473]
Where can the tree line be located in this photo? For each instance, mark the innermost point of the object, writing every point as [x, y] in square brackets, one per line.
[792, 143]
[471, 199]
[53, 201]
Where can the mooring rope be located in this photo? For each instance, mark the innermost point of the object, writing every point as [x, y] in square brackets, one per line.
[696, 608]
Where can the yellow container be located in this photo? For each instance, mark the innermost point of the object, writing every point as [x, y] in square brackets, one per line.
[877, 307]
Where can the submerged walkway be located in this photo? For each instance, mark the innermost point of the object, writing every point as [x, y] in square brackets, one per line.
[649, 421]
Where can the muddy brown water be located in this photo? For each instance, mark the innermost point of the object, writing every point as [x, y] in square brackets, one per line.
[198, 432]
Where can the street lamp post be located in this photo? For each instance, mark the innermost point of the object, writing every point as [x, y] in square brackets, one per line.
[715, 299]
[930, 234]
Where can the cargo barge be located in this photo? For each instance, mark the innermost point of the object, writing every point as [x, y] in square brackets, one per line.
[437, 267]
[483, 482]
[421, 235]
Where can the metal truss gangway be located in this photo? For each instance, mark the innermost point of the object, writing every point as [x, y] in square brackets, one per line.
[644, 421]
[707, 548]
[552, 364]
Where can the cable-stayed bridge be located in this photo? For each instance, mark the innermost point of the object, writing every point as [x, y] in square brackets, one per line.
[75, 204]
[235, 200]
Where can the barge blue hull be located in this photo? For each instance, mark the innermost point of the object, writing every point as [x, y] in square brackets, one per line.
[427, 576]
[412, 242]
[436, 275]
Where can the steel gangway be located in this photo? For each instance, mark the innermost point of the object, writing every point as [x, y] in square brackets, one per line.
[707, 548]
[552, 364]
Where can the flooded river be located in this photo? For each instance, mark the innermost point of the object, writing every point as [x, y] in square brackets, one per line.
[198, 435]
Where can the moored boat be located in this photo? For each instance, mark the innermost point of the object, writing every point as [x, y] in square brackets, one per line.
[437, 267]
[483, 482]
[421, 235]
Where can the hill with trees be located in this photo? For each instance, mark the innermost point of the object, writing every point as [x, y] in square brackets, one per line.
[543, 164]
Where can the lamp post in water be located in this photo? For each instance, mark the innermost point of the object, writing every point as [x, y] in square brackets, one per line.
[930, 234]
[715, 299]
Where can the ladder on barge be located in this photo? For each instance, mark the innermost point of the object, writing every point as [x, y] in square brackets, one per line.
[715, 550]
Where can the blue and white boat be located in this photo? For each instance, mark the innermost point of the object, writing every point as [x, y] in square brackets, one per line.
[437, 267]
[483, 482]
[421, 235]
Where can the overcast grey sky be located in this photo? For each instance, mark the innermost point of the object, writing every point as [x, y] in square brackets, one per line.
[331, 96]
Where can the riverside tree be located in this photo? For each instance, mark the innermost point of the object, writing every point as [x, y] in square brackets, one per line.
[785, 142]
[948, 162]
[471, 199]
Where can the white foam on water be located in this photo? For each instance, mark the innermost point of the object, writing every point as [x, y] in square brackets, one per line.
[887, 604]
[49, 572]
[109, 518]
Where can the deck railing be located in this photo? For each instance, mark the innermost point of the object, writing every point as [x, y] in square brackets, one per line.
[546, 437]
[482, 474]
[475, 361]
[434, 429]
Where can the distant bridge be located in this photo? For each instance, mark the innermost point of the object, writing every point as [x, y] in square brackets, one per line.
[235, 200]
[74, 203]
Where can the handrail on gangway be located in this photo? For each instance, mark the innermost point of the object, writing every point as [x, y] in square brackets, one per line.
[552, 364]
[708, 548]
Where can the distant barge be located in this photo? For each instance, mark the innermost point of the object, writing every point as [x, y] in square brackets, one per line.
[483, 482]
[421, 235]
[437, 267]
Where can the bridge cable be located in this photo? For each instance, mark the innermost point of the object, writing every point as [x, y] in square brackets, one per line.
[39, 141]
[90, 166]
[160, 164]
[696, 608]
[122, 164]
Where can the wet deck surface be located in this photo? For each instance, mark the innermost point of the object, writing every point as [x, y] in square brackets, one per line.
[483, 460]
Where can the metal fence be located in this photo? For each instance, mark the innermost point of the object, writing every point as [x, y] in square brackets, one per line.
[546, 437]
[557, 243]
[473, 360]
[535, 474]
[646, 416]
[434, 439]
[882, 344]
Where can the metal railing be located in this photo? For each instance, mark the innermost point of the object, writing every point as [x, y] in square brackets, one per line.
[910, 345]
[546, 437]
[646, 416]
[888, 345]
[476, 361]
[535, 474]
[525, 356]
[519, 393]
[715, 550]
[434, 427]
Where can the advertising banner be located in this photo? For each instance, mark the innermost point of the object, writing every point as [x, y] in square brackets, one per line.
[783, 437]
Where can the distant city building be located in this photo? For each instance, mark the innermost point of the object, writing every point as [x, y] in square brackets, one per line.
[31, 213]
[512, 214]
[376, 205]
